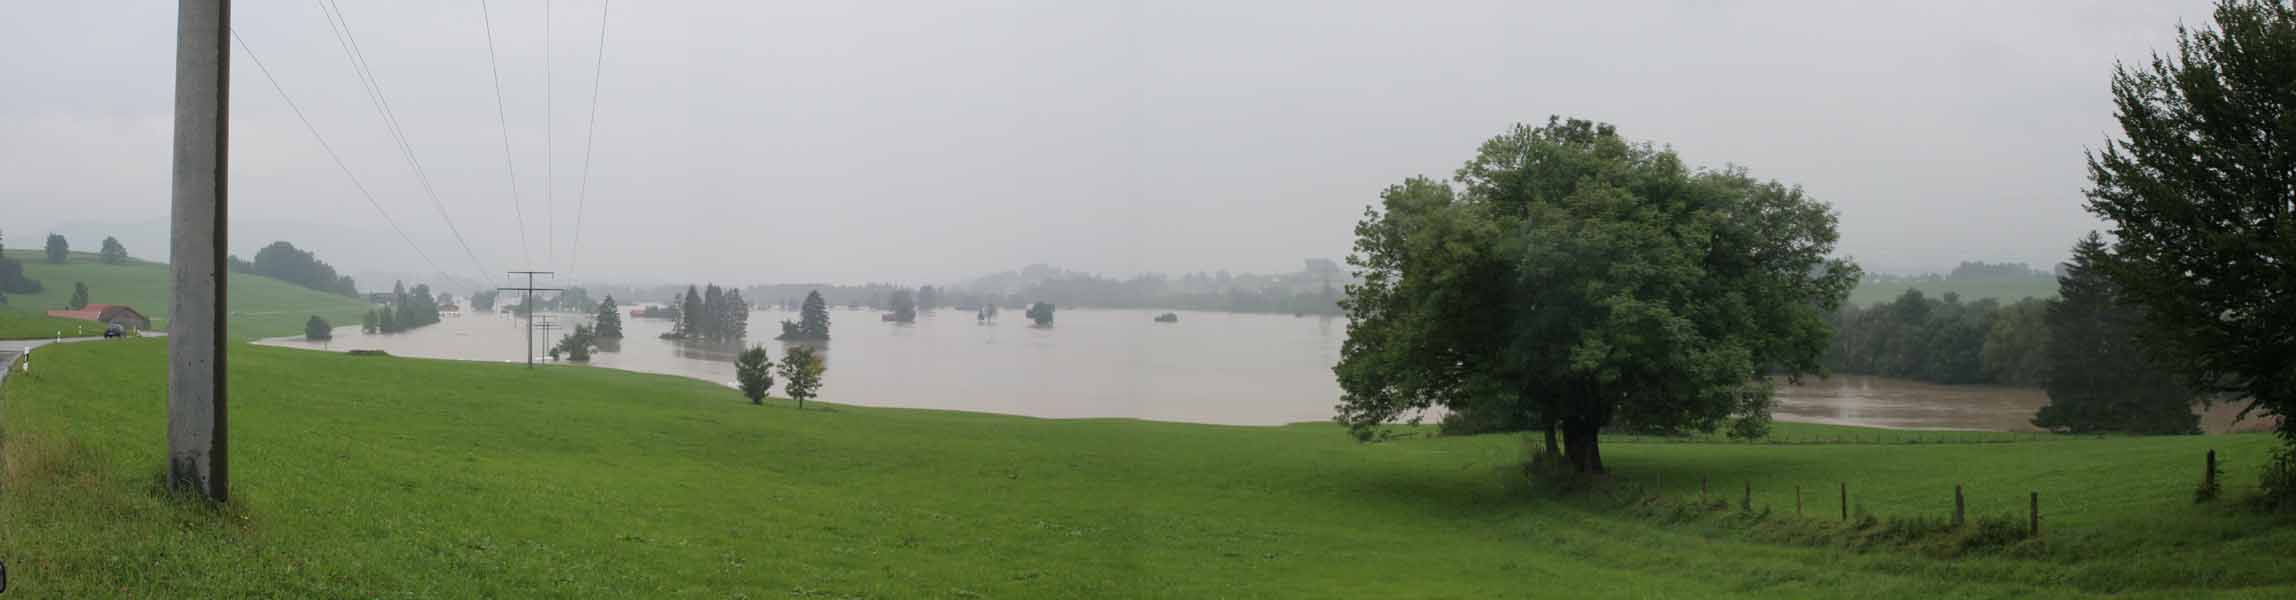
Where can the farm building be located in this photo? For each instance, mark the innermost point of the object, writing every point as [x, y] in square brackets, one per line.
[109, 314]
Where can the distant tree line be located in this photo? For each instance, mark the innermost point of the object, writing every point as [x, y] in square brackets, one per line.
[711, 314]
[407, 310]
[284, 262]
[1941, 340]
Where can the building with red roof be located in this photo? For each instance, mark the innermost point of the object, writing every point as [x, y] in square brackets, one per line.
[109, 314]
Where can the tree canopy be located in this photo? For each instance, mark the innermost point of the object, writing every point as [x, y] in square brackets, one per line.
[753, 370]
[904, 306]
[812, 321]
[284, 262]
[1589, 281]
[801, 369]
[609, 319]
[58, 249]
[2197, 194]
[113, 252]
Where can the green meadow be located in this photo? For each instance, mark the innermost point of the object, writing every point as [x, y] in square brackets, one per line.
[260, 306]
[384, 476]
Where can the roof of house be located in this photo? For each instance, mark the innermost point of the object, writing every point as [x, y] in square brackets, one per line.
[92, 312]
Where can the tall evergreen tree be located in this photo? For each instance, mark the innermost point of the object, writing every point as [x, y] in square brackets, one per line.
[2099, 376]
[812, 321]
[690, 314]
[609, 319]
[79, 296]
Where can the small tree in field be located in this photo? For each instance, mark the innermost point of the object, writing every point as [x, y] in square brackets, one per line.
[79, 296]
[58, 249]
[113, 252]
[754, 371]
[318, 329]
[802, 369]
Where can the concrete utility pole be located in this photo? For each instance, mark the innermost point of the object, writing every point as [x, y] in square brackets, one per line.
[528, 306]
[196, 424]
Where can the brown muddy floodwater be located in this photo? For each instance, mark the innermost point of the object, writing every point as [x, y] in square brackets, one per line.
[1224, 368]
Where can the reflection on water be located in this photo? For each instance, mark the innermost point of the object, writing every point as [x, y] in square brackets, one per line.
[1210, 367]
[1885, 402]
[1207, 368]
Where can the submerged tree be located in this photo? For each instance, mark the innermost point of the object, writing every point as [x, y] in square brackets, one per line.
[577, 345]
[801, 368]
[754, 371]
[609, 319]
[2099, 376]
[812, 321]
[1041, 313]
[2204, 236]
[904, 306]
[1588, 281]
[317, 329]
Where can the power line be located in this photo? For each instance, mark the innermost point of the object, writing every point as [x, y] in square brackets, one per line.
[331, 152]
[582, 193]
[527, 305]
[349, 42]
[501, 115]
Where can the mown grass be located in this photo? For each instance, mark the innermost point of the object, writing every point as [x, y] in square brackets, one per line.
[1869, 292]
[260, 306]
[358, 476]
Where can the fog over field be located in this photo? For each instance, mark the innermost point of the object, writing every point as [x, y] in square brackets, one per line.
[928, 141]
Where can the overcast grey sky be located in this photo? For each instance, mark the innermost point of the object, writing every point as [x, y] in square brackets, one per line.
[752, 141]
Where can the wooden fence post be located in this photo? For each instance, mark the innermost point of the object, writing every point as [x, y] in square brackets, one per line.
[1958, 506]
[1797, 499]
[1747, 502]
[1845, 500]
[2036, 523]
[1701, 486]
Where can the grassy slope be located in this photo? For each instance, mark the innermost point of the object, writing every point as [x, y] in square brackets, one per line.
[360, 475]
[21, 324]
[260, 306]
[1868, 292]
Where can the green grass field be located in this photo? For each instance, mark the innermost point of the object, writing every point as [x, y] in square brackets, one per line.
[18, 324]
[369, 476]
[1869, 292]
[260, 306]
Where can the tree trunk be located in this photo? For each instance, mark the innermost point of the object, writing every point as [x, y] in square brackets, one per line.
[1552, 450]
[1581, 447]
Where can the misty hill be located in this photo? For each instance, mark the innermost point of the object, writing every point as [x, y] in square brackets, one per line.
[1973, 281]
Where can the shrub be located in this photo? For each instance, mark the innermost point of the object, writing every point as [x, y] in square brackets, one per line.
[2278, 486]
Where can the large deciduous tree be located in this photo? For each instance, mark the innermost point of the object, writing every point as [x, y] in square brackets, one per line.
[1587, 281]
[2198, 194]
[2099, 376]
[113, 252]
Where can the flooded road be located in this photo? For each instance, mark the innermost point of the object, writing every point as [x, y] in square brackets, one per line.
[1224, 368]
